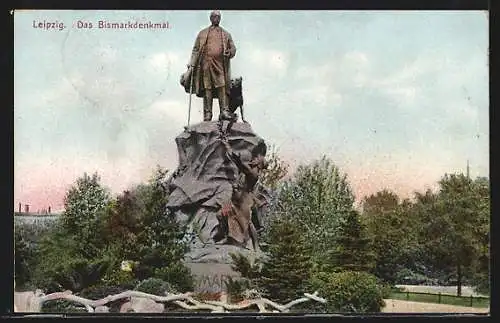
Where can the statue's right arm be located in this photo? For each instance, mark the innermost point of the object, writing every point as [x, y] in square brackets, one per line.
[231, 46]
[243, 167]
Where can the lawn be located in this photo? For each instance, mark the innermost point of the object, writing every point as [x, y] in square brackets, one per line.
[443, 299]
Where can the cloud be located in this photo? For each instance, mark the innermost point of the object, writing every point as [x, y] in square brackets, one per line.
[174, 111]
[403, 95]
[269, 58]
[356, 58]
[33, 186]
[318, 95]
[163, 61]
[106, 53]
[326, 83]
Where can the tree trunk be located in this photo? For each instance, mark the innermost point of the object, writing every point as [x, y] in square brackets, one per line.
[459, 280]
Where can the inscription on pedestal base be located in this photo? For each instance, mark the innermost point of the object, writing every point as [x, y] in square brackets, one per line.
[211, 277]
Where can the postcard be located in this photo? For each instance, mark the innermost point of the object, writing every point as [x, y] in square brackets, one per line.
[251, 161]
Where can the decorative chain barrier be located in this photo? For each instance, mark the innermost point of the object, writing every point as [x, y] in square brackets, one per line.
[148, 303]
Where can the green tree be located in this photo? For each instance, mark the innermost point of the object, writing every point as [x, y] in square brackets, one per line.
[276, 170]
[61, 265]
[84, 206]
[160, 247]
[69, 255]
[381, 202]
[391, 228]
[23, 255]
[27, 235]
[481, 279]
[455, 233]
[349, 291]
[250, 272]
[122, 225]
[353, 246]
[316, 198]
[119, 228]
[287, 267]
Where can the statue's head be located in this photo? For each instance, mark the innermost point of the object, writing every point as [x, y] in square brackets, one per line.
[215, 17]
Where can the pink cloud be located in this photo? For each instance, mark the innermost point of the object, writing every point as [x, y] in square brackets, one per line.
[42, 183]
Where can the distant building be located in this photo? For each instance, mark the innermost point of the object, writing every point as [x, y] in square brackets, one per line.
[39, 212]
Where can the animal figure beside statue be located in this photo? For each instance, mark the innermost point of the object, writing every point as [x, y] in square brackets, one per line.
[236, 96]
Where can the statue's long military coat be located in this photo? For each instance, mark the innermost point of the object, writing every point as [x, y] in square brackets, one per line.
[197, 56]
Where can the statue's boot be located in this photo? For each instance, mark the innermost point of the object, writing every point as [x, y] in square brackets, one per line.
[207, 114]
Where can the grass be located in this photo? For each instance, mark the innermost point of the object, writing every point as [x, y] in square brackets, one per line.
[445, 299]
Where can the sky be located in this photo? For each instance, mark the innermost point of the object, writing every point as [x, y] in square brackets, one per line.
[395, 98]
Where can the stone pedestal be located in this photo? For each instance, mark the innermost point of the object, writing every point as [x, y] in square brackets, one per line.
[201, 185]
[211, 277]
[211, 266]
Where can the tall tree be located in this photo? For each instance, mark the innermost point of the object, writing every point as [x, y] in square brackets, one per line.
[160, 246]
[276, 170]
[70, 254]
[391, 230]
[121, 226]
[353, 246]
[287, 268]
[481, 279]
[379, 203]
[22, 257]
[454, 233]
[315, 198]
[84, 206]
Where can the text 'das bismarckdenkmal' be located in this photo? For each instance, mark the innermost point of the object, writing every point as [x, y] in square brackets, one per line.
[102, 24]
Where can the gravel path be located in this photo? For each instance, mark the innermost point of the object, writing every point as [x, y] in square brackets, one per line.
[397, 306]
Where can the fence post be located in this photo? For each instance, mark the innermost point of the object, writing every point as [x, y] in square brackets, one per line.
[407, 295]
[471, 298]
[439, 298]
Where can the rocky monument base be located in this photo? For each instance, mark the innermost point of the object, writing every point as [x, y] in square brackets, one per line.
[199, 188]
[211, 266]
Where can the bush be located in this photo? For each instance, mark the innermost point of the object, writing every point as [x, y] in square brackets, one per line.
[481, 283]
[101, 291]
[177, 275]
[385, 288]
[239, 289]
[250, 272]
[32, 231]
[60, 271]
[349, 291]
[62, 306]
[235, 288]
[115, 275]
[23, 259]
[154, 286]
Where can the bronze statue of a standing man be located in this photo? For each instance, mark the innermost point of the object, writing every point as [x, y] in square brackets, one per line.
[212, 51]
